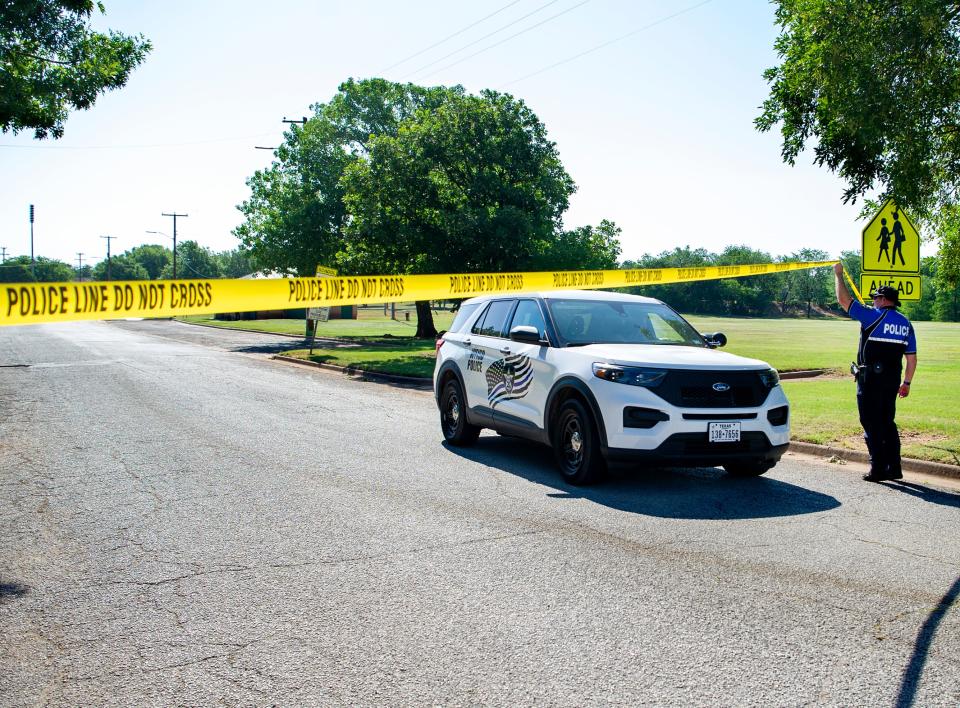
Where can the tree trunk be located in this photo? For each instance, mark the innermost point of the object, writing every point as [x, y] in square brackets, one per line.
[425, 327]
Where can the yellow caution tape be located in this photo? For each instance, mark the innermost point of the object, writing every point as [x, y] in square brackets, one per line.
[854, 286]
[29, 303]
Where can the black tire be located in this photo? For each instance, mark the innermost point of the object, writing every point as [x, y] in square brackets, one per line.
[576, 445]
[453, 416]
[748, 469]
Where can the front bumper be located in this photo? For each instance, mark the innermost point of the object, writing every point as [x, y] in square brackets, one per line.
[686, 449]
[666, 434]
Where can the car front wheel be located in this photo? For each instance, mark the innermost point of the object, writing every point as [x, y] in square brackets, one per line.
[453, 416]
[576, 445]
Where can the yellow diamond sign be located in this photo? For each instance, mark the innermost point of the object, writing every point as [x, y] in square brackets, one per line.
[891, 243]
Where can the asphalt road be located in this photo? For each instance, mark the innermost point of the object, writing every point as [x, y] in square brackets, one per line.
[184, 521]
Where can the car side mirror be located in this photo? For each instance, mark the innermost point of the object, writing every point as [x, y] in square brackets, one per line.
[526, 334]
[715, 340]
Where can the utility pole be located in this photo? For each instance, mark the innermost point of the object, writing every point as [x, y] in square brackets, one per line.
[301, 122]
[175, 215]
[80, 267]
[109, 239]
[4, 254]
[31, 242]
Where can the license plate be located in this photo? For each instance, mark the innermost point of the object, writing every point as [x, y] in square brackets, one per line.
[724, 432]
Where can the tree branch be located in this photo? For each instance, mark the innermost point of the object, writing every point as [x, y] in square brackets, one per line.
[17, 50]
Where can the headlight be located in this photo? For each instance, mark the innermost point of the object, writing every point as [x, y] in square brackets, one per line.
[632, 375]
[770, 378]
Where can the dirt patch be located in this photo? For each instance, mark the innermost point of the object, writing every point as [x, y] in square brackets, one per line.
[907, 437]
[827, 374]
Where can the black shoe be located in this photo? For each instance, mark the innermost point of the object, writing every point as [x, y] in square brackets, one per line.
[875, 477]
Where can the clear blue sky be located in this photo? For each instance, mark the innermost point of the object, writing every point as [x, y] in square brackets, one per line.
[656, 129]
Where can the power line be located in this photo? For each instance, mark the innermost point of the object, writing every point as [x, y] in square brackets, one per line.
[486, 36]
[512, 36]
[606, 44]
[449, 37]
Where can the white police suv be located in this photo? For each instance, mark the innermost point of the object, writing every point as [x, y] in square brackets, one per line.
[603, 376]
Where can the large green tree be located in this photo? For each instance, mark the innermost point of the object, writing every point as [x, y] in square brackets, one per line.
[52, 62]
[153, 257]
[874, 88]
[810, 286]
[193, 262]
[44, 270]
[582, 248]
[294, 218]
[472, 185]
[122, 267]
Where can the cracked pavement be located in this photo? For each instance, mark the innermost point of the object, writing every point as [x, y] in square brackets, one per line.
[185, 521]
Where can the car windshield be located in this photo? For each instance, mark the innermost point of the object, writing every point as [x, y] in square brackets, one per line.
[581, 322]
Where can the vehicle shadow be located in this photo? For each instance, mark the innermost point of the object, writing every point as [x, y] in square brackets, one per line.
[272, 347]
[12, 590]
[921, 647]
[675, 493]
[928, 494]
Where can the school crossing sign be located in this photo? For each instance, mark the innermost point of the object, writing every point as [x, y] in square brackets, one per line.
[891, 253]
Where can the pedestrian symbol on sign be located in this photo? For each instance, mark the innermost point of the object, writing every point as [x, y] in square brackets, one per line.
[891, 243]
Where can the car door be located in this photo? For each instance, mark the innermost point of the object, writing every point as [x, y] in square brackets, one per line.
[523, 374]
[484, 343]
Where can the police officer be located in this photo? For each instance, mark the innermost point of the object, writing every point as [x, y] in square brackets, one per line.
[886, 337]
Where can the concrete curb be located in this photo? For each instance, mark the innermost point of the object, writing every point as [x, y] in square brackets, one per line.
[937, 469]
[805, 374]
[301, 337]
[411, 381]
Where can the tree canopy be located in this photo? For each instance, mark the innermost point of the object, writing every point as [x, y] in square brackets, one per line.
[473, 185]
[294, 218]
[53, 62]
[45, 270]
[874, 89]
[409, 179]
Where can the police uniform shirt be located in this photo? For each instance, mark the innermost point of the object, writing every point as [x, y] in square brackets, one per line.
[885, 336]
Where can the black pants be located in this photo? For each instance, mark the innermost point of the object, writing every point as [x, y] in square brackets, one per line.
[877, 403]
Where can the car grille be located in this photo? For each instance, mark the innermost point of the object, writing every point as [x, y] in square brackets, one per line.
[695, 389]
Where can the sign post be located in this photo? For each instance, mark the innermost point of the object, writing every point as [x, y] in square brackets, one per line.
[318, 314]
[891, 253]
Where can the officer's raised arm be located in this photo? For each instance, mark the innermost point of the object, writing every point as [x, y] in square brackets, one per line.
[843, 295]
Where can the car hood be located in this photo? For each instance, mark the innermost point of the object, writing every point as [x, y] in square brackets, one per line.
[668, 356]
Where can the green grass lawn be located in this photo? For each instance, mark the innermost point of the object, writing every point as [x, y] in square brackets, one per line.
[407, 356]
[824, 408]
[370, 323]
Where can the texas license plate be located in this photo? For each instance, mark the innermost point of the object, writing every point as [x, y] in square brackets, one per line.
[724, 432]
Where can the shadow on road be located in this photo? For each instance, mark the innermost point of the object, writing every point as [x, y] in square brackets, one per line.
[688, 493]
[914, 670]
[12, 590]
[928, 494]
[272, 347]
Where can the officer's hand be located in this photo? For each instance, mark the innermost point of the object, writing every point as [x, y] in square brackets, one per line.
[904, 391]
[838, 268]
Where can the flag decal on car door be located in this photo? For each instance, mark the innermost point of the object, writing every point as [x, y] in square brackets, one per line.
[508, 378]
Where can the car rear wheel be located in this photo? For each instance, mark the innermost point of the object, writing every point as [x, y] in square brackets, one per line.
[748, 469]
[453, 416]
[576, 445]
